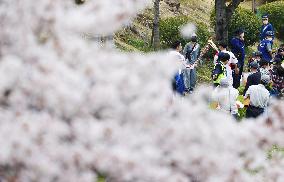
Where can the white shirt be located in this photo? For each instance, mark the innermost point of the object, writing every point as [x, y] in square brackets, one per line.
[226, 98]
[259, 95]
[179, 57]
[229, 70]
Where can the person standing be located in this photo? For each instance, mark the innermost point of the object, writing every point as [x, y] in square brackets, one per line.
[266, 26]
[265, 47]
[191, 52]
[238, 49]
[259, 98]
[231, 66]
[220, 72]
[175, 54]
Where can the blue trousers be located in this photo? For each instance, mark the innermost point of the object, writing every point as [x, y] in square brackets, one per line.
[189, 77]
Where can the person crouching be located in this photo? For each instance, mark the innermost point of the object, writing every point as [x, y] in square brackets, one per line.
[259, 98]
[226, 97]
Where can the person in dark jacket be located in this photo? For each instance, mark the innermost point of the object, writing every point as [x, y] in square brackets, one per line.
[254, 78]
[277, 75]
[280, 54]
[265, 46]
[256, 56]
[238, 48]
[259, 98]
[266, 26]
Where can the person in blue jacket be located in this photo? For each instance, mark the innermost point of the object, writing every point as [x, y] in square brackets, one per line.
[238, 48]
[265, 46]
[266, 26]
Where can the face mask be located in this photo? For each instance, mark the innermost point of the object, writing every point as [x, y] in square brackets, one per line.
[265, 22]
[270, 39]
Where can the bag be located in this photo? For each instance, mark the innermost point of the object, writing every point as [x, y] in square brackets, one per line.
[188, 53]
[179, 82]
[213, 76]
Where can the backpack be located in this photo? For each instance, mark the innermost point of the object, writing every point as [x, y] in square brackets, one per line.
[213, 71]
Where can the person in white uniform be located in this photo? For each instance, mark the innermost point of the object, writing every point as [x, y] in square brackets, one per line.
[225, 95]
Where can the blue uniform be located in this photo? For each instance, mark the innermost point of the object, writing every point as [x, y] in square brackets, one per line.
[264, 29]
[238, 48]
[265, 47]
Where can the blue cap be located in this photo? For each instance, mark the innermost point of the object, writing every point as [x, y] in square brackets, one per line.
[264, 16]
[269, 33]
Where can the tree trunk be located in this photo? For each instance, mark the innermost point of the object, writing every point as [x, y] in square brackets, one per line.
[221, 21]
[253, 6]
[223, 16]
[156, 31]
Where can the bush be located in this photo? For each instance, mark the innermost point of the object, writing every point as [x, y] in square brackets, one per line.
[275, 11]
[245, 19]
[170, 31]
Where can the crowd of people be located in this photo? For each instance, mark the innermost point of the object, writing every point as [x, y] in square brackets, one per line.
[263, 80]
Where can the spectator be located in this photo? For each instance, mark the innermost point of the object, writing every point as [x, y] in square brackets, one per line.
[256, 56]
[226, 97]
[238, 48]
[177, 82]
[191, 52]
[176, 53]
[254, 77]
[264, 68]
[280, 54]
[259, 98]
[277, 75]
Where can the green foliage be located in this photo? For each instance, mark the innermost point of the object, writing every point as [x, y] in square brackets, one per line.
[245, 19]
[101, 178]
[170, 31]
[275, 10]
[204, 72]
[138, 44]
[241, 111]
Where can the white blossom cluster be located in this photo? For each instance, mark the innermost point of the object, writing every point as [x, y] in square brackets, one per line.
[71, 111]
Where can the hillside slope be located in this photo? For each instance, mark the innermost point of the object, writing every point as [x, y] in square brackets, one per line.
[137, 36]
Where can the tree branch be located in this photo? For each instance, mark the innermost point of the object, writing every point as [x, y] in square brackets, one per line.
[232, 6]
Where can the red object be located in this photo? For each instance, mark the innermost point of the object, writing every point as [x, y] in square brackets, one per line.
[233, 66]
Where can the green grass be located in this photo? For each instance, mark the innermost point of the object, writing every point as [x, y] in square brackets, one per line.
[204, 72]
[101, 178]
[241, 111]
